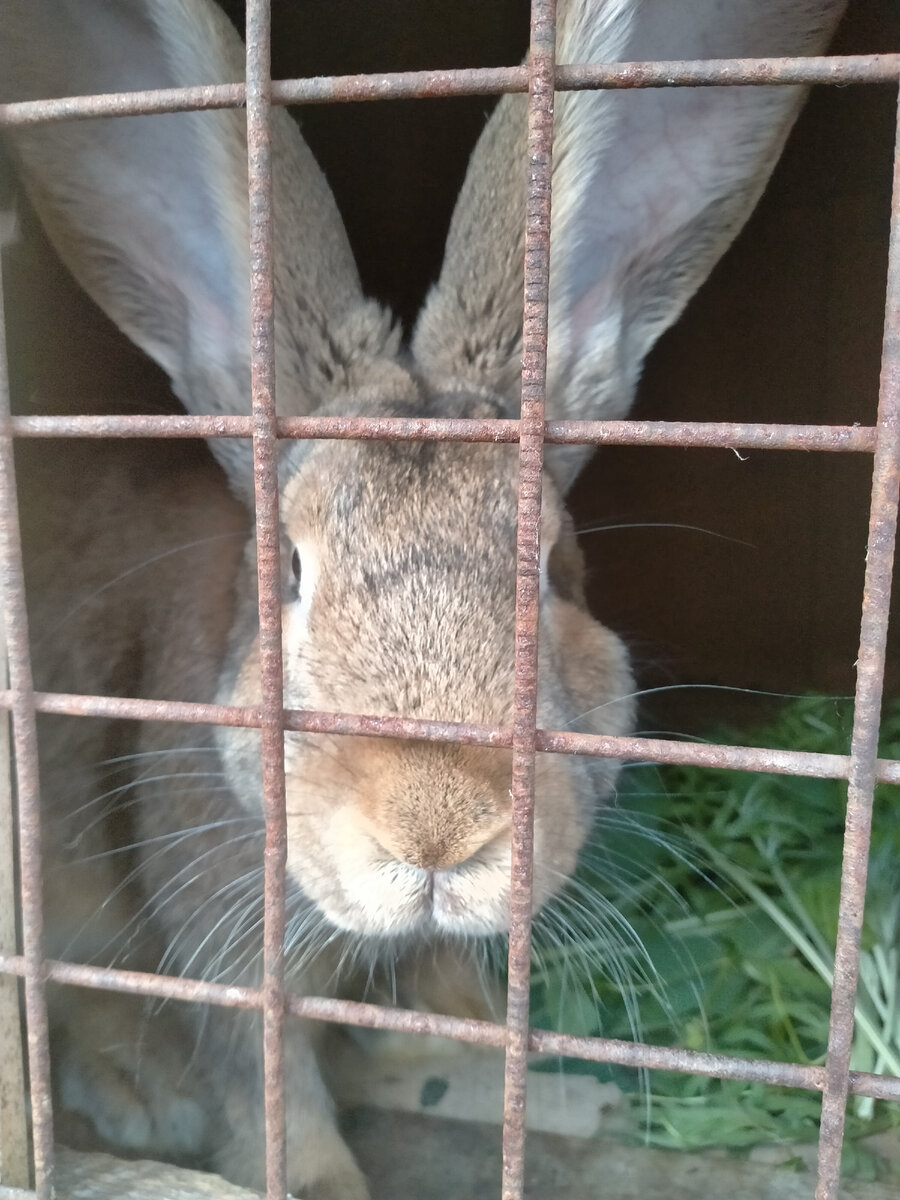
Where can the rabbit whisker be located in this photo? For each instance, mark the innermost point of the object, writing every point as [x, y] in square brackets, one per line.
[667, 525]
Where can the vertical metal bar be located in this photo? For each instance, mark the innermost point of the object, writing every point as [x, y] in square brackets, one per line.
[531, 459]
[265, 464]
[12, 585]
[864, 745]
[14, 1170]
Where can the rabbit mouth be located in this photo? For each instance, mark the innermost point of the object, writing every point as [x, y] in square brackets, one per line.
[395, 898]
[364, 888]
[451, 907]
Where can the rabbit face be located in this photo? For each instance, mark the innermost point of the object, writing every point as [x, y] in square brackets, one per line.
[400, 602]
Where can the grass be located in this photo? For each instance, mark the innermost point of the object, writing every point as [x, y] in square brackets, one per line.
[725, 889]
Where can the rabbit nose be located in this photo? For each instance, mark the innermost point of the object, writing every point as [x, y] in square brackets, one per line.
[429, 856]
[436, 850]
[435, 812]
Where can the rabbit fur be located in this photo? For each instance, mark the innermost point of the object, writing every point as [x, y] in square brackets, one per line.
[398, 559]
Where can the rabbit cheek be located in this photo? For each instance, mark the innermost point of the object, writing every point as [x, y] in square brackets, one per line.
[361, 888]
[598, 677]
[559, 827]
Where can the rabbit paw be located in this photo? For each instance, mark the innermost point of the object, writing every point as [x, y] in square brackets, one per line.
[128, 1092]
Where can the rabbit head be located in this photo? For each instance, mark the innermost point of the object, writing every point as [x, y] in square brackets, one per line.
[399, 601]
[399, 559]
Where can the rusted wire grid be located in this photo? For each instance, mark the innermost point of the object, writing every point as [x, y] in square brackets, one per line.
[631, 749]
[268, 556]
[735, 757]
[645, 82]
[474, 1032]
[15, 619]
[729, 435]
[866, 715]
[539, 155]
[467, 81]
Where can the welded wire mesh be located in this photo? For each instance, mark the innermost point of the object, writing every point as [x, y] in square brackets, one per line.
[861, 767]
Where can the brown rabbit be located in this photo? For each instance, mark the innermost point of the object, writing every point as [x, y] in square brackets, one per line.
[399, 559]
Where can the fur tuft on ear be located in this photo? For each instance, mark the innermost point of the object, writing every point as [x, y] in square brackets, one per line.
[150, 213]
[649, 189]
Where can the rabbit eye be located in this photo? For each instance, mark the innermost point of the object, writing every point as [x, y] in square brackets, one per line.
[295, 564]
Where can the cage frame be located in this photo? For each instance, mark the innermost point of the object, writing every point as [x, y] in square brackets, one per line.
[540, 78]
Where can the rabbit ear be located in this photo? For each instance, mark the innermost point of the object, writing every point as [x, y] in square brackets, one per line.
[649, 188]
[151, 212]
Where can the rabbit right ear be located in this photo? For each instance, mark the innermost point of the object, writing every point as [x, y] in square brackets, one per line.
[649, 188]
[151, 213]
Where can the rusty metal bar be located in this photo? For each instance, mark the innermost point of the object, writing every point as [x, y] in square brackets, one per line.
[722, 72]
[729, 435]
[14, 1164]
[122, 104]
[631, 749]
[483, 1033]
[15, 620]
[140, 983]
[867, 711]
[837, 70]
[694, 1062]
[268, 555]
[539, 154]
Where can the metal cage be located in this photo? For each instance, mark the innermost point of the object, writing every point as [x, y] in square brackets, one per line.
[541, 78]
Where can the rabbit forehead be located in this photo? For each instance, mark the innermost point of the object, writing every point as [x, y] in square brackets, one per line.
[413, 609]
[352, 494]
[381, 498]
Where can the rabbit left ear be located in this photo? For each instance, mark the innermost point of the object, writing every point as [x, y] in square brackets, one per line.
[649, 188]
[151, 213]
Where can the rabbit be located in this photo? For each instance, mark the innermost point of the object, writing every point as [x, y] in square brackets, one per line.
[398, 558]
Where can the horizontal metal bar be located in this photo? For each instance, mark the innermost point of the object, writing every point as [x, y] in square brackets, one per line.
[727, 435]
[723, 72]
[484, 1033]
[466, 81]
[715, 1066]
[631, 749]
[730, 435]
[140, 983]
[719, 757]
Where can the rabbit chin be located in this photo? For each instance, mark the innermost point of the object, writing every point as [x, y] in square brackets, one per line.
[363, 891]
